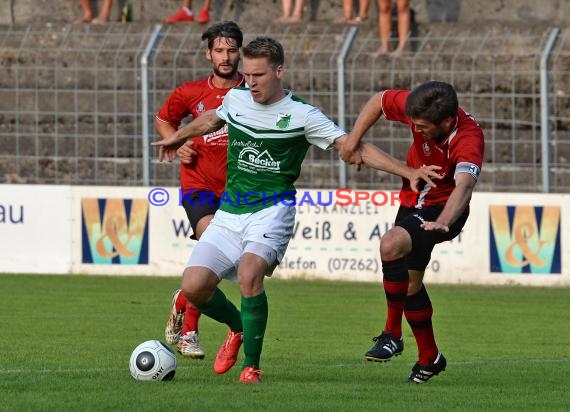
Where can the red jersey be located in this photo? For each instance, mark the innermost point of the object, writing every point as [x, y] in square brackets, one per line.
[208, 170]
[463, 147]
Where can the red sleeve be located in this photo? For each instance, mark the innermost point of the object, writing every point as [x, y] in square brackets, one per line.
[394, 105]
[469, 148]
[175, 108]
[469, 143]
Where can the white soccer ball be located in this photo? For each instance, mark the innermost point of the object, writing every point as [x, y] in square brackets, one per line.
[152, 361]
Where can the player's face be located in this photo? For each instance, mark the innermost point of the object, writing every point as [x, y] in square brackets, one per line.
[224, 57]
[263, 79]
[431, 130]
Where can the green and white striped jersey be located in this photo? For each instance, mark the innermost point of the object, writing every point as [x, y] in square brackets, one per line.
[267, 144]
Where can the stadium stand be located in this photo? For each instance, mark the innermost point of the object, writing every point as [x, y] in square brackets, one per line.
[71, 97]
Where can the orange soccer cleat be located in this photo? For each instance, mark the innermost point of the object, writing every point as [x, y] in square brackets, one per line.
[250, 375]
[227, 355]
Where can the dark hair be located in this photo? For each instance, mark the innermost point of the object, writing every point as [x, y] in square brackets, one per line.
[265, 47]
[227, 29]
[433, 101]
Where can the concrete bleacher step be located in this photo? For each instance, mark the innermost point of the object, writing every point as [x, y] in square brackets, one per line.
[70, 98]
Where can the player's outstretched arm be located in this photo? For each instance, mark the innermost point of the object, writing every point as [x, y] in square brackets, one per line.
[164, 130]
[206, 123]
[376, 158]
[352, 157]
[455, 205]
[369, 115]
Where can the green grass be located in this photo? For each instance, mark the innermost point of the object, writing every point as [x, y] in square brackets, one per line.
[65, 342]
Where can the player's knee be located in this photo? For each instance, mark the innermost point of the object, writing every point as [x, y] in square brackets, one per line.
[414, 287]
[197, 287]
[250, 284]
[391, 248]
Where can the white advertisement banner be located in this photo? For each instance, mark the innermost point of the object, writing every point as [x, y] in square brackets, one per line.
[342, 240]
[35, 229]
[509, 238]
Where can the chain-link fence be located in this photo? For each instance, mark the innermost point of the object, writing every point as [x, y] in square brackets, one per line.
[71, 99]
[497, 77]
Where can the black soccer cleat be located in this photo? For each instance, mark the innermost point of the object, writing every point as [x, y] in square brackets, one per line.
[422, 373]
[386, 345]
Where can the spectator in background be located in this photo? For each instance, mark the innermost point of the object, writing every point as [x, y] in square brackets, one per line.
[292, 11]
[385, 26]
[348, 12]
[103, 16]
[185, 15]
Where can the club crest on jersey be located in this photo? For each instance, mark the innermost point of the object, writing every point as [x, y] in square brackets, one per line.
[200, 108]
[283, 120]
[427, 150]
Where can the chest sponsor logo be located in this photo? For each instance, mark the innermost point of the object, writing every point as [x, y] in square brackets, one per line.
[252, 160]
[210, 137]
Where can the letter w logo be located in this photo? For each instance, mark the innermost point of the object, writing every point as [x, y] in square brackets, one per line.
[114, 231]
[525, 239]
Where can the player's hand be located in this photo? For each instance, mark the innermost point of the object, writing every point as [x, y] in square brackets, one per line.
[348, 150]
[185, 152]
[167, 147]
[434, 227]
[166, 154]
[424, 173]
[354, 158]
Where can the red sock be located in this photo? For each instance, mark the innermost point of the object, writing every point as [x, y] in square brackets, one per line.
[191, 319]
[395, 283]
[418, 312]
[180, 302]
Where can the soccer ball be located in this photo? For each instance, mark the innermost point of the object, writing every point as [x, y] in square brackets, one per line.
[152, 361]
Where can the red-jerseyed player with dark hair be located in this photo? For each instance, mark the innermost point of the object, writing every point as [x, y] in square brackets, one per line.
[203, 179]
[444, 135]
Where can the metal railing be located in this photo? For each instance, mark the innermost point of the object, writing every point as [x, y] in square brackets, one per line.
[72, 101]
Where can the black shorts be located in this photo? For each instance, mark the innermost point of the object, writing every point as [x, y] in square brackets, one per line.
[423, 241]
[198, 204]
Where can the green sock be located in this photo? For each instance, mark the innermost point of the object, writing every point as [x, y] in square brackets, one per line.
[254, 314]
[221, 309]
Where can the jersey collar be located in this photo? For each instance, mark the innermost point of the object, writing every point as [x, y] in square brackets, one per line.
[240, 80]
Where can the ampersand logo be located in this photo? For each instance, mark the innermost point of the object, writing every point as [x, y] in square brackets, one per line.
[525, 239]
[114, 231]
[522, 234]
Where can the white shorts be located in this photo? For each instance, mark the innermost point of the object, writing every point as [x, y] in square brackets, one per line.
[265, 233]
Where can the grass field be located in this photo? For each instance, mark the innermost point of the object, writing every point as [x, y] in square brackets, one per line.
[65, 342]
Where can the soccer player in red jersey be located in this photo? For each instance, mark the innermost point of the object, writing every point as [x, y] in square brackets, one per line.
[444, 135]
[203, 179]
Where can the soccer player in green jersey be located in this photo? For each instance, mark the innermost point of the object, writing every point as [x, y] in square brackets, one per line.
[270, 131]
